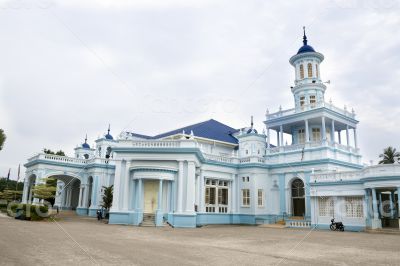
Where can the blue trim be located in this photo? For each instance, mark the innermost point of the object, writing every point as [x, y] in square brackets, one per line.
[182, 220]
[82, 211]
[121, 218]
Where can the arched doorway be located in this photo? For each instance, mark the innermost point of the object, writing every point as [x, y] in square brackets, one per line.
[68, 191]
[298, 198]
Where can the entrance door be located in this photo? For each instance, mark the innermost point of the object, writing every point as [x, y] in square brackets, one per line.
[150, 196]
[298, 200]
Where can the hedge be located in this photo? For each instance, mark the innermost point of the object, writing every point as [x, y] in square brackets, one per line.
[28, 211]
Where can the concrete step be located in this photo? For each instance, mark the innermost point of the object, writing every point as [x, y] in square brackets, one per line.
[279, 226]
[148, 220]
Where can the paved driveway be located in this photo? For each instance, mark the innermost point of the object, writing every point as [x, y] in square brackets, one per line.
[85, 241]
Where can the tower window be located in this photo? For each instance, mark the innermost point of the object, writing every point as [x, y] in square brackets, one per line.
[312, 100]
[316, 71]
[316, 133]
[302, 102]
[301, 71]
[302, 136]
[309, 69]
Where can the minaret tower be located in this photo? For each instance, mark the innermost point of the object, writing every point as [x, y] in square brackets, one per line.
[309, 90]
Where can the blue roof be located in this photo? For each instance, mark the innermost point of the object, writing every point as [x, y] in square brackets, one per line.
[210, 129]
[306, 49]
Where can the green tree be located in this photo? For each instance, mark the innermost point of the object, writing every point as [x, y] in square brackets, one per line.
[2, 138]
[389, 156]
[107, 197]
[10, 195]
[46, 190]
[48, 151]
[12, 184]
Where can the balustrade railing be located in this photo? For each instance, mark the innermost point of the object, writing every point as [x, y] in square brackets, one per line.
[336, 176]
[72, 160]
[308, 107]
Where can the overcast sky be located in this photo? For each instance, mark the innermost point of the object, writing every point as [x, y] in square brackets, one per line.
[69, 68]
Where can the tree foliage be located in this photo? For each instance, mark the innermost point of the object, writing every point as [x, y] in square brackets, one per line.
[45, 190]
[2, 138]
[389, 156]
[10, 184]
[107, 197]
[48, 151]
[10, 195]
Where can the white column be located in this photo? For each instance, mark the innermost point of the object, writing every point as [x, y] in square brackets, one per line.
[281, 135]
[391, 198]
[202, 189]
[347, 136]
[355, 138]
[25, 193]
[374, 204]
[190, 189]
[333, 131]
[119, 168]
[80, 196]
[233, 194]
[277, 138]
[197, 201]
[125, 202]
[268, 138]
[180, 187]
[85, 196]
[339, 137]
[323, 129]
[307, 130]
[160, 195]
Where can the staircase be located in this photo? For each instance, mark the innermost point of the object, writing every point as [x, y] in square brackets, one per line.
[148, 220]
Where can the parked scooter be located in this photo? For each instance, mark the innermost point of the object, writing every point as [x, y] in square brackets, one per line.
[99, 215]
[336, 225]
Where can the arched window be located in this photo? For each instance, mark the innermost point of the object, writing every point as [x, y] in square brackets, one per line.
[298, 198]
[301, 71]
[108, 153]
[86, 156]
[309, 69]
[316, 71]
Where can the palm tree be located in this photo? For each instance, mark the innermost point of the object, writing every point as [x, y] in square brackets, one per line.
[389, 156]
[2, 138]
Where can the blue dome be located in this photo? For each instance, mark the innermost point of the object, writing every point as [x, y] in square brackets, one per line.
[306, 49]
[252, 130]
[108, 136]
[85, 146]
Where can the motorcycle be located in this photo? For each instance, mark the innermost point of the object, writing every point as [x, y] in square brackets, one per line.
[99, 215]
[336, 225]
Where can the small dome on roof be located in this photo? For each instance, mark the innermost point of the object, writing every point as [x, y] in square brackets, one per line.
[305, 48]
[108, 135]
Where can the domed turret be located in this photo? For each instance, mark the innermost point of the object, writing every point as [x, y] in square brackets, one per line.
[85, 145]
[108, 135]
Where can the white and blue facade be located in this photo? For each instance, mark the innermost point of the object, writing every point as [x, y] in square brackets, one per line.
[210, 173]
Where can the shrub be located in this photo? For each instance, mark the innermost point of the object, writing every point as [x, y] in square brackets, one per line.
[28, 211]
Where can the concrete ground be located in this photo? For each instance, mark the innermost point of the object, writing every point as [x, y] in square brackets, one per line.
[83, 241]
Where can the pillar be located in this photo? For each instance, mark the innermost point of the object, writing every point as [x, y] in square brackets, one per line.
[323, 129]
[139, 197]
[380, 205]
[277, 138]
[282, 194]
[201, 190]
[268, 138]
[307, 194]
[125, 198]
[374, 205]
[180, 187]
[398, 204]
[339, 137]
[391, 199]
[367, 207]
[347, 136]
[190, 187]
[119, 168]
[80, 200]
[25, 193]
[307, 130]
[234, 194]
[160, 194]
[281, 135]
[355, 138]
[333, 131]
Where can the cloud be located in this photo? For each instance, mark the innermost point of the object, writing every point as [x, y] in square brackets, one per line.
[72, 67]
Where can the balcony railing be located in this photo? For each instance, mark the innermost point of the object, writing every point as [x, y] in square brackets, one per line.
[313, 144]
[307, 107]
[71, 160]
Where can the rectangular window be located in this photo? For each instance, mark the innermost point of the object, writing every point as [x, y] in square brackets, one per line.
[316, 134]
[313, 101]
[260, 198]
[302, 136]
[326, 206]
[216, 195]
[245, 197]
[302, 102]
[354, 207]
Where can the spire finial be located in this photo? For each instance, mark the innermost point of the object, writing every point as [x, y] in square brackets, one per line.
[86, 138]
[108, 129]
[252, 122]
[304, 36]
